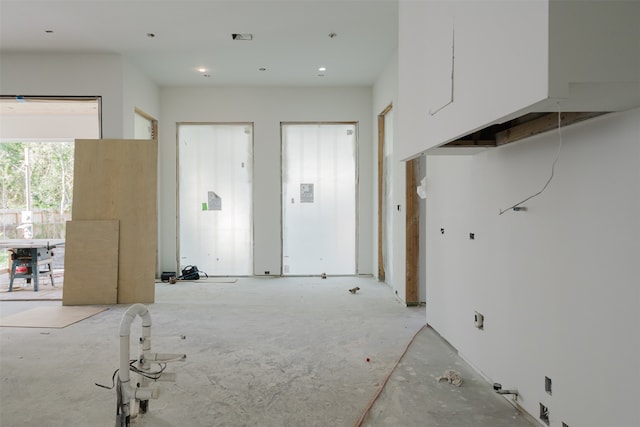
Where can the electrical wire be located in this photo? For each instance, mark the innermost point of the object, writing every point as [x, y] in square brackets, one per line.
[113, 381]
[150, 375]
[386, 380]
[553, 167]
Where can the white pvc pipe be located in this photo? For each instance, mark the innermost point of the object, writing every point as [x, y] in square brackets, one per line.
[129, 390]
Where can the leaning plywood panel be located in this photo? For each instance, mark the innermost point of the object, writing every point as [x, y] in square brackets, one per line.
[116, 179]
[91, 263]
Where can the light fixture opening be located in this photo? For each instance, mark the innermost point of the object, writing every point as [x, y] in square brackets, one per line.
[242, 36]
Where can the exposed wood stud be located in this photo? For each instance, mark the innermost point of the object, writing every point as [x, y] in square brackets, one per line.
[520, 128]
[412, 233]
[542, 124]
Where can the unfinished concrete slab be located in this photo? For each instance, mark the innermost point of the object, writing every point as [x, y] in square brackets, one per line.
[269, 352]
[417, 395]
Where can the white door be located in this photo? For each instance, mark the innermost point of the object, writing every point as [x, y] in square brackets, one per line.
[215, 183]
[319, 198]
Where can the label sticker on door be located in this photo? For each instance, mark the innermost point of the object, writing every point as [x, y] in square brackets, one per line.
[306, 193]
[215, 202]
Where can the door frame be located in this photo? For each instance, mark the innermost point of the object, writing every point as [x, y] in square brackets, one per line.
[356, 159]
[412, 226]
[177, 194]
[152, 121]
[381, 145]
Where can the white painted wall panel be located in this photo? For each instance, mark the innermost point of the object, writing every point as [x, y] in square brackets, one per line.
[137, 92]
[265, 108]
[500, 66]
[593, 42]
[385, 92]
[68, 75]
[557, 284]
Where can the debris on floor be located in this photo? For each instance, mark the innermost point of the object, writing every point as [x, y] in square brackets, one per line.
[452, 377]
[354, 290]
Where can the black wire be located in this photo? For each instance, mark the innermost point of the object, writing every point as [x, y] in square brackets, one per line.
[113, 381]
[553, 168]
[151, 375]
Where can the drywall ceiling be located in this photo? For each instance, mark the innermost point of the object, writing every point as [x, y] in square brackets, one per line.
[291, 39]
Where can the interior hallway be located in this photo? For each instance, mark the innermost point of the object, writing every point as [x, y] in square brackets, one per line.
[268, 352]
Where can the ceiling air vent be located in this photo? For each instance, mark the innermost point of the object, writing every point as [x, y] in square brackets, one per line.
[242, 36]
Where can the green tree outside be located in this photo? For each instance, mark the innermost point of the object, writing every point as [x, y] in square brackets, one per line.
[51, 173]
[51, 185]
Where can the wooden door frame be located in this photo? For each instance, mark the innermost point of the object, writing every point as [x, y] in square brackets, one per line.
[152, 120]
[412, 244]
[412, 216]
[381, 142]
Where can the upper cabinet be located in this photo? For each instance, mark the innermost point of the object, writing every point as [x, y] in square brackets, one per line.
[469, 71]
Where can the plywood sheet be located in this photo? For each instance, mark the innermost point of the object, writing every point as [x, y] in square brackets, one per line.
[50, 317]
[117, 179]
[91, 263]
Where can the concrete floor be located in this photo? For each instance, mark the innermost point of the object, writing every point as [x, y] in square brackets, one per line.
[267, 352]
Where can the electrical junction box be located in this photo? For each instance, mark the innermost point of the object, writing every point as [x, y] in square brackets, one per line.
[479, 320]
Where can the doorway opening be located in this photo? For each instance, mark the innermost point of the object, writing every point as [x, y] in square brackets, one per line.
[145, 126]
[319, 193]
[385, 195]
[215, 231]
[37, 137]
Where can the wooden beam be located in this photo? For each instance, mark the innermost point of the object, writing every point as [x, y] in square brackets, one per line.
[472, 143]
[412, 255]
[542, 124]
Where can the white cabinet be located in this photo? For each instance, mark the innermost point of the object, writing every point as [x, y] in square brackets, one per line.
[465, 65]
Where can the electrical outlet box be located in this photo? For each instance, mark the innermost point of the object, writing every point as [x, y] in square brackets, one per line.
[479, 320]
[544, 414]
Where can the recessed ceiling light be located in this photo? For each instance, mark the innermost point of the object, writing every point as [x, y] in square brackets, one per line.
[202, 70]
[322, 69]
[242, 36]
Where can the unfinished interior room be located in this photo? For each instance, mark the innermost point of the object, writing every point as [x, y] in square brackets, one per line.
[320, 213]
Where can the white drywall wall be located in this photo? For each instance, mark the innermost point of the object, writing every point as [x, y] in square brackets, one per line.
[499, 66]
[594, 43]
[61, 74]
[138, 92]
[385, 93]
[557, 284]
[266, 108]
